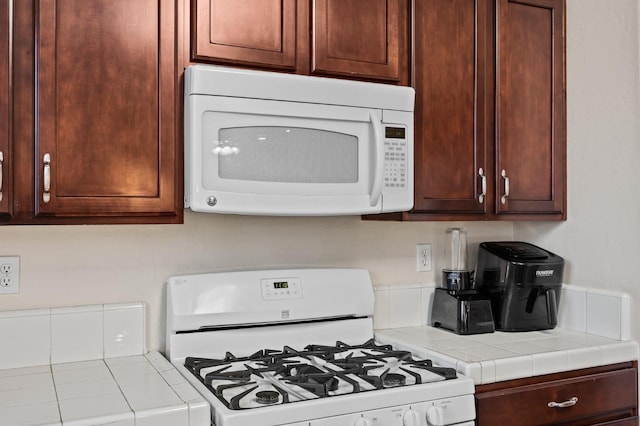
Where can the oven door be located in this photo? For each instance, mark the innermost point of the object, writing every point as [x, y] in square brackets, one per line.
[267, 157]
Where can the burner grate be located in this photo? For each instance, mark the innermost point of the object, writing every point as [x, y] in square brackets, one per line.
[270, 377]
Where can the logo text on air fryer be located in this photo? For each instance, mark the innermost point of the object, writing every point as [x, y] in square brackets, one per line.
[545, 273]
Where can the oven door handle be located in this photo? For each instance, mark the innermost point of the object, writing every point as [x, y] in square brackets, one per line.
[378, 149]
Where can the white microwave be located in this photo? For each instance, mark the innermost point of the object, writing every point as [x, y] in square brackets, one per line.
[265, 143]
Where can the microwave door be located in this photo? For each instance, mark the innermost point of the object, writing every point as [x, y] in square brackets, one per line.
[250, 156]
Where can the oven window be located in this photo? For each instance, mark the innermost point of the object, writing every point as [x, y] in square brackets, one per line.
[286, 154]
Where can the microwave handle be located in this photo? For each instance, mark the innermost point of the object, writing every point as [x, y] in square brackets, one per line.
[378, 171]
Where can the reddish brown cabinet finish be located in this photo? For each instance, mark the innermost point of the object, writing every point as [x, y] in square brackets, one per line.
[95, 100]
[530, 117]
[365, 39]
[250, 31]
[6, 12]
[490, 96]
[603, 395]
[357, 37]
[453, 105]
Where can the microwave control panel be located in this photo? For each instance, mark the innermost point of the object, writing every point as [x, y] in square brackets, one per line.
[395, 158]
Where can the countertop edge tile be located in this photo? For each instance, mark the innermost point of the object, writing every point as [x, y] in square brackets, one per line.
[488, 372]
[585, 351]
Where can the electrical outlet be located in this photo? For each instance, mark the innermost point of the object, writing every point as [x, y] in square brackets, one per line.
[9, 274]
[423, 257]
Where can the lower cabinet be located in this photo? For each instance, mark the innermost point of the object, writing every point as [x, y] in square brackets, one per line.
[605, 395]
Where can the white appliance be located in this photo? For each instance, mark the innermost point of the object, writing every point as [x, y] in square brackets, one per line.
[267, 143]
[295, 347]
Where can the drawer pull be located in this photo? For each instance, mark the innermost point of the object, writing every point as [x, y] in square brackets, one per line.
[570, 403]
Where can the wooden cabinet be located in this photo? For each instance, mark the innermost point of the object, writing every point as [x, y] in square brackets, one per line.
[453, 115]
[97, 130]
[490, 110]
[358, 37]
[365, 39]
[603, 395]
[261, 32]
[530, 110]
[5, 102]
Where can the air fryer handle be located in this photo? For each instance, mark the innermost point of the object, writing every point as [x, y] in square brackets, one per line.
[552, 307]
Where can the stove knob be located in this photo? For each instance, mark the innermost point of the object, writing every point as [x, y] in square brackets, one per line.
[411, 418]
[435, 416]
[363, 422]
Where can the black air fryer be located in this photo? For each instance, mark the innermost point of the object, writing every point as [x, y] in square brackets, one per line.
[523, 282]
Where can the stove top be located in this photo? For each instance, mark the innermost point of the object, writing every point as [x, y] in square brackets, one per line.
[273, 377]
[308, 376]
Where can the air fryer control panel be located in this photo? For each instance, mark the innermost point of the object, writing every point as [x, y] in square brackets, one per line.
[518, 251]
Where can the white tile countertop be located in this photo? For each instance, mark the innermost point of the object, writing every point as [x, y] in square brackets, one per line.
[142, 390]
[594, 328]
[88, 366]
[499, 356]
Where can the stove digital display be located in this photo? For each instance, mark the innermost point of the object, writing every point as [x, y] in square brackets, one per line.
[281, 288]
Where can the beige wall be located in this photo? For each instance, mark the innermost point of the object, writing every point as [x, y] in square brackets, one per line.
[601, 238]
[75, 265]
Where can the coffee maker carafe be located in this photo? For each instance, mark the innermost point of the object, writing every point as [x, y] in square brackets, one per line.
[457, 305]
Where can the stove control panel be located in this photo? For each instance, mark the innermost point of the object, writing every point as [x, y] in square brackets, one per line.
[281, 288]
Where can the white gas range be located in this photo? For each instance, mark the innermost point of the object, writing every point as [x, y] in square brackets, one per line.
[295, 348]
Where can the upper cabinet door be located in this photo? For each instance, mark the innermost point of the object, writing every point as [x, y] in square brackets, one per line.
[365, 39]
[105, 108]
[257, 32]
[358, 38]
[530, 111]
[453, 139]
[5, 102]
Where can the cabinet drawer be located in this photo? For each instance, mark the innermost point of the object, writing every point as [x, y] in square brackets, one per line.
[600, 396]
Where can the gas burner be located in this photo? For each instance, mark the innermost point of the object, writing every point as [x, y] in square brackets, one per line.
[267, 397]
[391, 380]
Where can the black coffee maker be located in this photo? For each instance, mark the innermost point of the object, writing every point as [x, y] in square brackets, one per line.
[457, 305]
[523, 282]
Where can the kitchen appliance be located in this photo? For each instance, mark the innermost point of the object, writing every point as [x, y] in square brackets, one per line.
[295, 347]
[523, 282]
[457, 305]
[455, 274]
[266, 143]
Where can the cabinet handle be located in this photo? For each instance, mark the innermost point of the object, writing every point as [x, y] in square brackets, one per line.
[1, 161]
[503, 200]
[46, 195]
[483, 178]
[570, 403]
